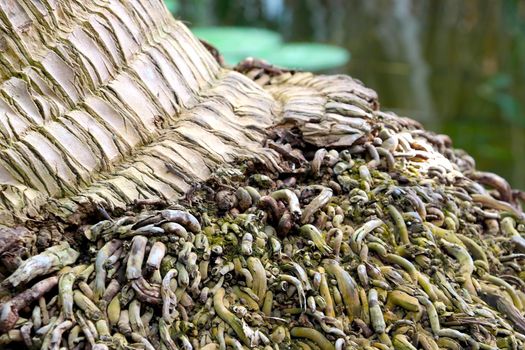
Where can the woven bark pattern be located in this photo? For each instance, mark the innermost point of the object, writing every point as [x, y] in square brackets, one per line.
[100, 99]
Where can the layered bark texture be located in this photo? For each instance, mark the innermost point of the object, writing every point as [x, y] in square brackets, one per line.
[110, 101]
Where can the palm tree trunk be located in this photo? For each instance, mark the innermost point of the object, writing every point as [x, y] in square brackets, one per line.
[110, 101]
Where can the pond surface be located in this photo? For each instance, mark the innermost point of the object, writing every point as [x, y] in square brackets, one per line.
[456, 66]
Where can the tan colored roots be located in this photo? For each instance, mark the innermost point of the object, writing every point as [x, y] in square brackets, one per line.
[404, 259]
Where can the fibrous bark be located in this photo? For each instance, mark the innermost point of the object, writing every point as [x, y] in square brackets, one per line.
[111, 101]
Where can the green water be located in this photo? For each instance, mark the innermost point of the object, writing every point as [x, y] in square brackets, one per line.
[456, 66]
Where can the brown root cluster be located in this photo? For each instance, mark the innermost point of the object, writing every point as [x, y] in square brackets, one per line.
[394, 242]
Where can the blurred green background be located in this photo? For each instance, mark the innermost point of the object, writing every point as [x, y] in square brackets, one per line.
[456, 66]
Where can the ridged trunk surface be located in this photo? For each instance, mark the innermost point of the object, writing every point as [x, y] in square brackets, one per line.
[110, 101]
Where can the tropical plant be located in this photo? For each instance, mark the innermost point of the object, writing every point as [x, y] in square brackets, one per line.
[276, 208]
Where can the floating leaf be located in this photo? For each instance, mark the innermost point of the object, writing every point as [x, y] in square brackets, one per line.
[308, 56]
[172, 5]
[237, 43]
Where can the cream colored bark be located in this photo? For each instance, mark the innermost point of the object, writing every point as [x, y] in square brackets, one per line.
[100, 99]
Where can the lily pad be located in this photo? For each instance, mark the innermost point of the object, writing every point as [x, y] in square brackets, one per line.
[308, 56]
[172, 5]
[237, 43]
